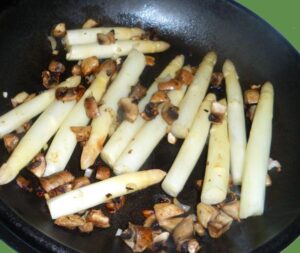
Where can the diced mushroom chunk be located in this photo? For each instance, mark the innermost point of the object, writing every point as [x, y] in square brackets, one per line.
[217, 78]
[89, 65]
[82, 133]
[159, 97]
[170, 223]
[217, 112]
[150, 220]
[59, 30]
[58, 191]
[184, 76]
[183, 232]
[91, 107]
[165, 211]
[219, 225]
[109, 66]
[19, 98]
[103, 172]
[146, 213]
[160, 242]
[251, 96]
[38, 165]
[23, 183]
[150, 111]
[232, 209]
[69, 94]
[130, 110]
[80, 182]
[56, 66]
[90, 23]
[113, 205]
[70, 221]
[10, 141]
[137, 92]
[206, 213]
[51, 182]
[251, 111]
[169, 113]
[169, 85]
[76, 70]
[106, 39]
[98, 219]
[199, 229]
[87, 227]
[150, 60]
[50, 79]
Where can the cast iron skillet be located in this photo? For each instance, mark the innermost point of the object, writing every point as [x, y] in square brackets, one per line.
[193, 28]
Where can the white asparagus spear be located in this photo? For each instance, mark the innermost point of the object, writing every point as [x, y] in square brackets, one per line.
[147, 138]
[89, 35]
[236, 121]
[117, 49]
[190, 150]
[216, 179]
[120, 87]
[16, 117]
[257, 156]
[64, 142]
[195, 94]
[100, 192]
[35, 139]
[127, 130]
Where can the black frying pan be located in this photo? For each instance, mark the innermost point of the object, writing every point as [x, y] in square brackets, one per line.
[193, 28]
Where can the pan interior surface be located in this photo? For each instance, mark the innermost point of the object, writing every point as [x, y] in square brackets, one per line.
[193, 28]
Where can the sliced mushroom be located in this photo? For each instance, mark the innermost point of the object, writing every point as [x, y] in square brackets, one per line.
[184, 76]
[159, 97]
[70, 221]
[251, 96]
[56, 66]
[106, 39]
[87, 227]
[206, 213]
[69, 94]
[171, 223]
[38, 165]
[147, 213]
[159, 243]
[199, 229]
[138, 238]
[150, 60]
[169, 85]
[217, 112]
[91, 107]
[51, 182]
[82, 133]
[24, 183]
[129, 109]
[76, 70]
[183, 232]
[98, 219]
[103, 172]
[89, 65]
[50, 79]
[59, 30]
[150, 111]
[109, 66]
[137, 92]
[58, 191]
[150, 221]
[10, 141]
[169, 113]
[232, 209]
[80, 182]
[90, 23]
[219, 225]
[251, 111]
[19, 98]
[217, 78]
[113, 205]
[165, 211]
[190, 246]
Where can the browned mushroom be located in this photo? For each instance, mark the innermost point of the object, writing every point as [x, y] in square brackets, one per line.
[150, 60]
[149, 221]
[19, 98]
[184, 76]
[171, 223]
[56, 66]
[10, 141]
[169, 113]
[38, 165]
[190, 246]
[219, 225]
[251, 111]
[113, 205]
[103, 172]
[169, 85]
[199, 184]
[183, 232]
[59, 30]
[232, 209]
[159, 243]
[109, 66]
[138, 238]
[50, 79]
[91, 107]
[251, 96]
[106, 39]
[137, 92]
[146, 213]
[206, 213]
[217, 78]
[98, 219]
[80, 182]
[129, 109]
[90, 23]
[87, 227]
[217, 112]
[159, 97]
[68, 94]
[60, 178]
[165, 211]
[58, 191]
[89, 65]
[82, 133]
[199, 229]
[150, 111]
[70, 221]
[76, 70]
[24, 183]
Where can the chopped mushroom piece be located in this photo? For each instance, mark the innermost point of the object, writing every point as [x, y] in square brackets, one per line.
[113, 205]
[159, 97]
[59, 30]
[171, 223]
[23, 183]
[150, 111]
[184, 76]
[69, 94]
[165, 211]
[250, 112]
[137, 92]
[51, 182]
[76, 70]
[160, 242]
[10, 141]
[91, 107]
[232, 209]
[98, 219]
[82, 133]
[183, 232]
[199, 229]
[80, 182]
[110, 66]
[206, 213]
[169, 113]
[38, 165]
[217, 78]
[191, 246]
[251, 96]
[217, 112]
[87, 227]
[19, 98]
[199, 183]
[103, 173]
[56, 66]
[169, 85]
[70, 221]
[89, 65]
[106, 39]
[90, 23]
[147, 213]
[58, 191]
[150, 221]
[150, 60]
[50, 79]
[219, 225]
[138, 238]
[130, 109]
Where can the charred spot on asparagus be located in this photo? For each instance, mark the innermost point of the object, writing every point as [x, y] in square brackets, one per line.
[128, 109]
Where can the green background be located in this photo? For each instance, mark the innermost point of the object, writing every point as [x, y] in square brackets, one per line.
[282, 15]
